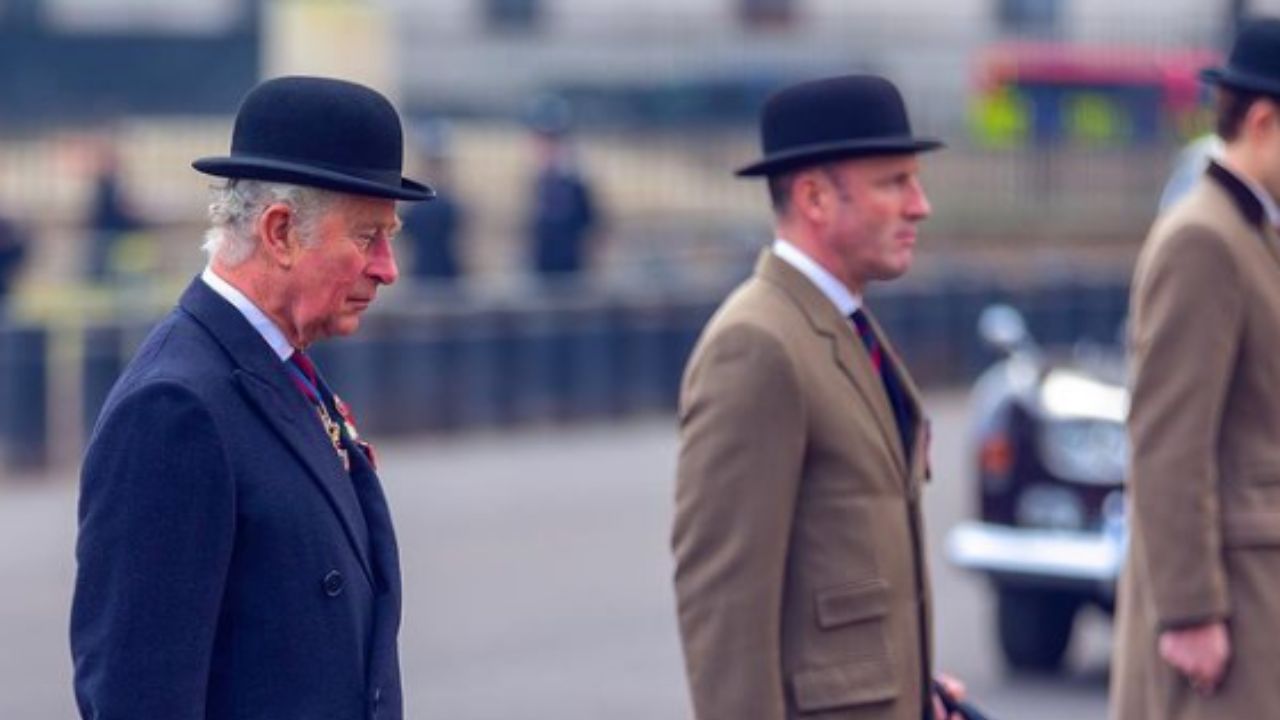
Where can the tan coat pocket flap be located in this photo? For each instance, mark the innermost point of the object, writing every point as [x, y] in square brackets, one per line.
[856, 683]
[851, 603]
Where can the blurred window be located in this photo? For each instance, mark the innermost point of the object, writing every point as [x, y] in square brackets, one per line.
[187, 17]
[508, 15]
[1029, 17]
[767, 14]
[706, 101]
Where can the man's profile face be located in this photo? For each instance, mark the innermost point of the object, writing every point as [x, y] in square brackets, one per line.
[879, 202]
[336, 277]
[1269, 146]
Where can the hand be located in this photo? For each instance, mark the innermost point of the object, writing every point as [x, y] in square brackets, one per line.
[1199, 652]
[954, 690]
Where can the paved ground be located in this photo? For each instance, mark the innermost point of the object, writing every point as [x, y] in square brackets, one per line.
[537, 583]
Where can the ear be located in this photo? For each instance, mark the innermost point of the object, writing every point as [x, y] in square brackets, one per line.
[809, 197]
[276, 234]
[1260, 118]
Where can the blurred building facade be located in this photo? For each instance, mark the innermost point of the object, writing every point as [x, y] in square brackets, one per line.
[67, 62]
[1061, 117]
[481, 56]
[84, 58]
[664, 96]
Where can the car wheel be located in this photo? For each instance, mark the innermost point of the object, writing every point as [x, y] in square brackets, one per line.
[1035, 627]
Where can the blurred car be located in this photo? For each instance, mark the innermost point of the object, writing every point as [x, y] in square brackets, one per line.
[1049, 451]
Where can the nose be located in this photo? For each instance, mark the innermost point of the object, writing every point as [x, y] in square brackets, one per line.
[382, 262]
[918, 207]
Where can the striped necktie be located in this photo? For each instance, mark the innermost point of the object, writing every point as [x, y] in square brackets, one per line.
[308, 382]
[892, 385]
[310, 388]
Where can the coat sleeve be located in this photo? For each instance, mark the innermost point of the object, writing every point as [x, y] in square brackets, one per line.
[741, 455]
[1188, 312]
[154, 545]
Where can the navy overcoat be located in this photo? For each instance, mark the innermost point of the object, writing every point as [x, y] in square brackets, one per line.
[228, 566]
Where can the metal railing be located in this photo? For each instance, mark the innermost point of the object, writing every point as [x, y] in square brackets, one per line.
[430, 367]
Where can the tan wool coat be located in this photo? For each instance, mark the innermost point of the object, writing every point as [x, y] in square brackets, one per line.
[1205, 471]
[800, 571]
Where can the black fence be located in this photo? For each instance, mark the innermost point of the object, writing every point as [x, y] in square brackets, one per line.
[430, 370]
[24, 385]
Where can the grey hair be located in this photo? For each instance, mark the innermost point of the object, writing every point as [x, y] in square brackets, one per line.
[234, 208]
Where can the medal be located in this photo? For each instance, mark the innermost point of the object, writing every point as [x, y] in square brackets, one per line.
[349, 423]
[334, 432]
[304, 376]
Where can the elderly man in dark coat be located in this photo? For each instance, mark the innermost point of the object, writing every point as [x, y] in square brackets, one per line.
[236, 557]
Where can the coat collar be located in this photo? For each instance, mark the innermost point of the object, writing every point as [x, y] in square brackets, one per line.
[1240, 193]
[265, 326]
[825, 320]
[263, 380]
[846, 302]
[1246, 202]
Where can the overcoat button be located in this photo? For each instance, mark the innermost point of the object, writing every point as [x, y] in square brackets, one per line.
[333, 583]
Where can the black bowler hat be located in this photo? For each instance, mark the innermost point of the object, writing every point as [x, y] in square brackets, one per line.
[1254, 64]
[848, 116]
[318, 132]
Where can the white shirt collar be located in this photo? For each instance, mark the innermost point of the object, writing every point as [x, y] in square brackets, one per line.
[835, 291]
[258, 319]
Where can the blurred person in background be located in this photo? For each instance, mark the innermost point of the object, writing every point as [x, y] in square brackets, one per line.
[13, 250]
[1188, 168]
[236, 556]
[563, 219]
[111, 220]
[801, 579]
[433, 229]
[1199, 600]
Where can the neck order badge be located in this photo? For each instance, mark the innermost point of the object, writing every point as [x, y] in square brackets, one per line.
[304, 376]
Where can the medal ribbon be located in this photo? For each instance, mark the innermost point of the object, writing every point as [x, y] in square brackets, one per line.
[303, 373]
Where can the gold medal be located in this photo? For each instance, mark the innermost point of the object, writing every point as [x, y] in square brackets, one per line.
[349, 422]
[334, 432]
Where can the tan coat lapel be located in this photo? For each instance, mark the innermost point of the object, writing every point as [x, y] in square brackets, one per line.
[846, 348]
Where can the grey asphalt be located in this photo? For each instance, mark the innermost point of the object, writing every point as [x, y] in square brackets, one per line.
[537, 582]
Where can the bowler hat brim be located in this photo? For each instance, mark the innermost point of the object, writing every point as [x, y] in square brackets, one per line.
[1241, 80]
[797, 157]
[252, 167]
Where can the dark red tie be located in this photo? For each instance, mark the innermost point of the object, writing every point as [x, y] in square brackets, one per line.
[869, 339]
[892, 387]
[308, 369]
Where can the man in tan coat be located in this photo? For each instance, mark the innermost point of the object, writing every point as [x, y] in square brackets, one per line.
[800, 570]
[1199, 607]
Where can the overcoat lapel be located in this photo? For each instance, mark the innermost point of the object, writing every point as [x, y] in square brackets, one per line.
[373, 502]
[385, 553]
[846, 348]
[266, 385]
